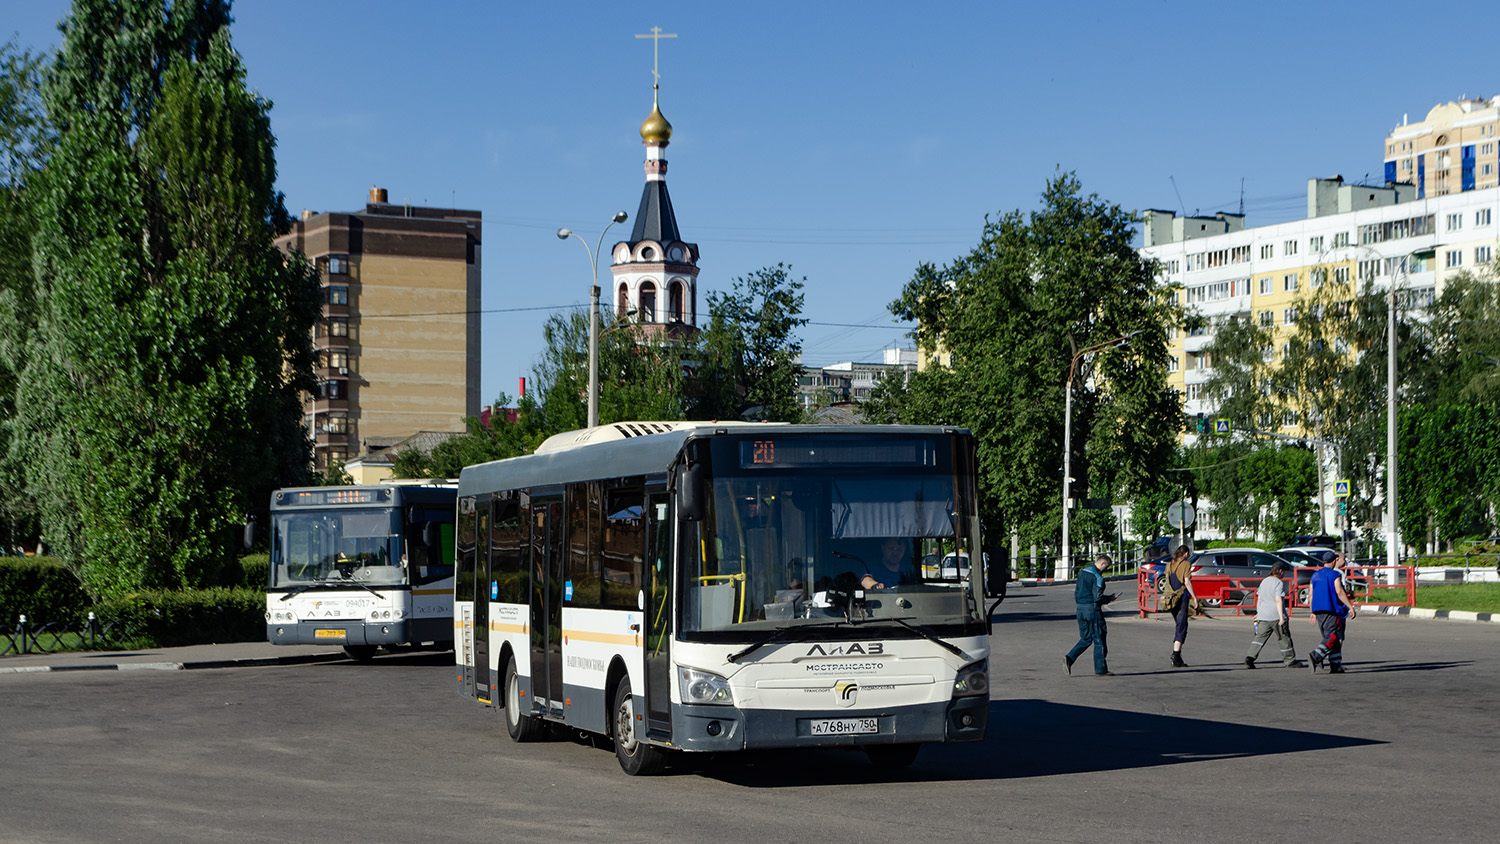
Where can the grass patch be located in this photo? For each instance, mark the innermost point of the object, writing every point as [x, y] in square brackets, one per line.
[1470, 597]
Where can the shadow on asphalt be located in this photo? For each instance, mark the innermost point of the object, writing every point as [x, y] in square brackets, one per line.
[1029, 738]
[1025, 616]
[1368, 668]
[401, 658]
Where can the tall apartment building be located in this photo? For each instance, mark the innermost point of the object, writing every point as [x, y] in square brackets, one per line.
[398, 343]
[1352, 234]
[1452, 151]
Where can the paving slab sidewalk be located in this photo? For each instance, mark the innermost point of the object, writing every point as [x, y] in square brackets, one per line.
[228, 655]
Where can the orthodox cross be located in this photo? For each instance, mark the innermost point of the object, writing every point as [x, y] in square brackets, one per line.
[656, 38]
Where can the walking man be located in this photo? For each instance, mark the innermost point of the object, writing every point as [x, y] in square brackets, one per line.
[1331, 611]
[1090, 597]
[1270, 616]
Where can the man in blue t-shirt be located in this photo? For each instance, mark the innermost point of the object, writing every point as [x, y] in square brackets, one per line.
[1090, 597]
[1331, 611]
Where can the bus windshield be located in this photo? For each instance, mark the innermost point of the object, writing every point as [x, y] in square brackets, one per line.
[795, 532]
[328, 546]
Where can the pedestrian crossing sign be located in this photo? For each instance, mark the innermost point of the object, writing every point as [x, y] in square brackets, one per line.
[1341, 489]
[1221, 426]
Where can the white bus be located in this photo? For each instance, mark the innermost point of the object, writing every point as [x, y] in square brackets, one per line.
[694, 586]
[362, 566]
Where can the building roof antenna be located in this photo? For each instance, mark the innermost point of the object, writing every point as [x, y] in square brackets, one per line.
[1180, 203]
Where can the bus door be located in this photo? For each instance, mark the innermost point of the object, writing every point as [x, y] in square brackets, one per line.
[484, 685]
[657, 581]
[547, 553]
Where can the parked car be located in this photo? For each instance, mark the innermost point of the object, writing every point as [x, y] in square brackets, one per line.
[1322, 540]
[956, 566]
[1312, 556]
[1225, 562]
[1159, 549]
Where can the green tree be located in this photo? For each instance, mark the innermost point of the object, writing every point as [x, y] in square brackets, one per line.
[479, 444]
[26, 138]
[1449, 436]
[160, 399]
[640, 374]
[1013, 313]
[748, 356]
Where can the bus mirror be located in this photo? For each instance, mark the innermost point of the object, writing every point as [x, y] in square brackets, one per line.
[690, 492]
[249, 537]
[429, 534]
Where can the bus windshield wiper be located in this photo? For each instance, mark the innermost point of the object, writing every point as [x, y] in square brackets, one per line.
[298, 590]
[929, 636]
[780, 634]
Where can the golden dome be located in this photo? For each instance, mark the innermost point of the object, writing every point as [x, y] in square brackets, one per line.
[656, 129]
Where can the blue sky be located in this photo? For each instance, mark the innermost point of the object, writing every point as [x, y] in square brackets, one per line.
[852, 141]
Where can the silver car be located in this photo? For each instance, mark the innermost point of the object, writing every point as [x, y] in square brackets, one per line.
[1227, 562]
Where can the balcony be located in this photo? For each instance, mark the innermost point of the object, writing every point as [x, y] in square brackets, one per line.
[330, 341]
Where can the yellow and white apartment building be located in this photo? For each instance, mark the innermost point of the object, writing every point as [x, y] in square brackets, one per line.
[1353, 233]
[398, 342]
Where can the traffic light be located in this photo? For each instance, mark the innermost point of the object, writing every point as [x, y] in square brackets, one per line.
[1201, 427]
[1343, 507]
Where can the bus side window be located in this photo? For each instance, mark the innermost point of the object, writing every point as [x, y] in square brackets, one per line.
[507, 563]
[582, 543]
[624, 547]
[465, 547]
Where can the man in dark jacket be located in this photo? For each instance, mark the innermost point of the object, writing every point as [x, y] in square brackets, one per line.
[1090, 597]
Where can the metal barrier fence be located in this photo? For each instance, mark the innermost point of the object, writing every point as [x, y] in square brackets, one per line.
[54, 636]
[1367, 586]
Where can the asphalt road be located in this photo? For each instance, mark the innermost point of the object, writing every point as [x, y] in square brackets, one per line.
[1402, 748]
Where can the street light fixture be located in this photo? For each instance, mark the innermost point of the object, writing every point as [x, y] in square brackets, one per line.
[1065, 560]
[564, 234]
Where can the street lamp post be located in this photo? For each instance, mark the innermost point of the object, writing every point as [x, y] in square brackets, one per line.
[1393, 529]
[1065, 559]
[564, 234]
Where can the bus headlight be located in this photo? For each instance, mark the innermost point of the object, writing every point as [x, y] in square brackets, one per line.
[383, 615]
[703, 687]
[972, 680]
[281, 617]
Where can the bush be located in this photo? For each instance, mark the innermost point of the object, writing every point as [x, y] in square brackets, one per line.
[191, 616]
[40, 588]
[255, 571]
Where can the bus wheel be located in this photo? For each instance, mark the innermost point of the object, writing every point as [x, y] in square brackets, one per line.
[891, 756]
[520, 726]
[360, 653]
[636, 757]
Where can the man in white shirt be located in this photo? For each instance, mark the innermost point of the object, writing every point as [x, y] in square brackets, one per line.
[1270, 616]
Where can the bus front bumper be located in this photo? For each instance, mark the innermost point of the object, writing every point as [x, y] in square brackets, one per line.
[338, 633]
[723, 728]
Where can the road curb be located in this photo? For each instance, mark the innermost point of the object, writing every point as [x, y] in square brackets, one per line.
[1447, 615]
[249, 662]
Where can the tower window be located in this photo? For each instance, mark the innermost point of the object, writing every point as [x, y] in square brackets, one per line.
[624, 303]
[648, 302]
[674, 303]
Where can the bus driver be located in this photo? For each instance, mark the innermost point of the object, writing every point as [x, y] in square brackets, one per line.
[894, 567]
